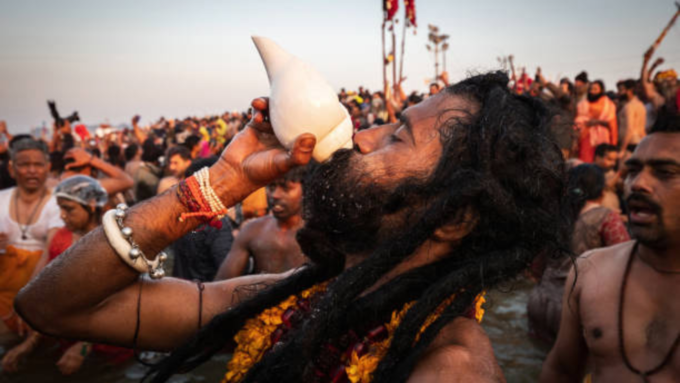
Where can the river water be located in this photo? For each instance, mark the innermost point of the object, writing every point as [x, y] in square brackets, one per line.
[505, 322]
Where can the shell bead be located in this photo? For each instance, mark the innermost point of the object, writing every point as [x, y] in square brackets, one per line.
[126, 231]
[135, 253]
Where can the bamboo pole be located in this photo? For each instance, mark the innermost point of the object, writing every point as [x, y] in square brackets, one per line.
[384, 58]
[668, 27]
[403, 46]
[394, 56]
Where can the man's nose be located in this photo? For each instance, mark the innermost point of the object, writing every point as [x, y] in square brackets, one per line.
[276, 194]
[370, 140]
[641, 182]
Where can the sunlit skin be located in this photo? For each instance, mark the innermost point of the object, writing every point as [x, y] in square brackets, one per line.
[106, 298]
[77, 218]
[30, 169]
[589, 325]
[608, 161]
[654, 172]
[580, 87]
[286, 198]
[595, 88]
[269, 240]
[178, 165]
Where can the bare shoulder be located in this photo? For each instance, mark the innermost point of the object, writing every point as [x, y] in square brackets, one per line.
[461, 352]
[255, 225]
[603, 258]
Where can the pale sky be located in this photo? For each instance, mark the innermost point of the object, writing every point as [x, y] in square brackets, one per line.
[111, 60]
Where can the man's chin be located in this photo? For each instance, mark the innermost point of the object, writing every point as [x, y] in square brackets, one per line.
[648, 235]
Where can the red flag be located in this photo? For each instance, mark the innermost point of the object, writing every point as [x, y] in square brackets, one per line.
[390, 7]
[410, 6]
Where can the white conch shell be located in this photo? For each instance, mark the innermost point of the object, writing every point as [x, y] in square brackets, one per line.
[301, 101]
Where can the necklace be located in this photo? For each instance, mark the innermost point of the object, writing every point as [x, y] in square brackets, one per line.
[355, 362]
[24, 228]
[622, 348]
[658, 270]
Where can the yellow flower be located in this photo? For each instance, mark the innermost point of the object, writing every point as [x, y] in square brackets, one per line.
[254, 339]
[361, 369]
[479, 310]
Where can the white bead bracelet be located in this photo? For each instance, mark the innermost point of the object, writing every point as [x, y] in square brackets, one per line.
[120, 239]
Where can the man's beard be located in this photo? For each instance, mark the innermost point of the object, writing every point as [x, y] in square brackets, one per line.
[594, 97]
[654, 235]
[344, 204]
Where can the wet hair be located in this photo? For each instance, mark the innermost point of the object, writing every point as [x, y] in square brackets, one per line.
[583, 77]
[192, 141]
[414, 99]
[113, 155]
[601, 84]
[150, 151]
[27, 143]
[178, 150]
[131, 151]
[667, 121]
[602, 150]
[570, 86]
[298, 174]
[629, 84]
[500, 162]
[17, 138]
[586, 183]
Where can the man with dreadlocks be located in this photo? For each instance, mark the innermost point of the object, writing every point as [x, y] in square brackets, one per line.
[620, 313]
[404, 233]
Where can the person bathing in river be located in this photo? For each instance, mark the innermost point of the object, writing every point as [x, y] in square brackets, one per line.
[405, 232]
[81, 200]
[620, 313]
[270, 240]
[595, 226]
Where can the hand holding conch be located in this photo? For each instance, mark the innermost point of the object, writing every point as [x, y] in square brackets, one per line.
[254, 157]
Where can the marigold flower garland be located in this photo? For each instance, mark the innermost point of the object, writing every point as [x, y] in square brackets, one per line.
[261, 332]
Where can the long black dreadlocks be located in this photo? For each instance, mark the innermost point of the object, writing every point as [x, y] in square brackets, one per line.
[500, 161]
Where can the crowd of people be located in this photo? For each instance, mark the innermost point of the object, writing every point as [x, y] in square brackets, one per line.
[55, 190]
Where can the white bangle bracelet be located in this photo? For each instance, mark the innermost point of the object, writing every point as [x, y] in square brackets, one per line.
[120, 239]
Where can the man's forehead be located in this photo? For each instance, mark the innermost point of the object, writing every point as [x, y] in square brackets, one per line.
[441, 106]
[30, 154]
[658, 145]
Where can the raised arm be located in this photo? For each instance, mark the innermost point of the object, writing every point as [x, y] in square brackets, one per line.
[141, 136]
[117, 180]
[4, 132]
[89, 293]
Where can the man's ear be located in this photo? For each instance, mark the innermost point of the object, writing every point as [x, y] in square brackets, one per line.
[466, 220]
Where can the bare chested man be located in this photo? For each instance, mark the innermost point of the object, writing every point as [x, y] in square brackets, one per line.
[270, 240]
[622, 318]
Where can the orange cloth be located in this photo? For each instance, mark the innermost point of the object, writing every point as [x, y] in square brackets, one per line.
[255, 205]
[16, 268]
[592, 136]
